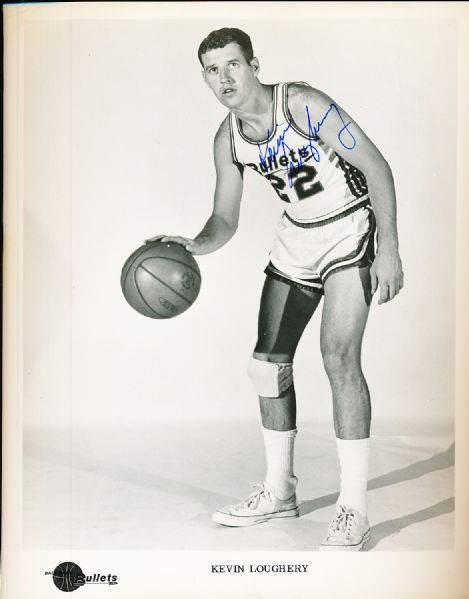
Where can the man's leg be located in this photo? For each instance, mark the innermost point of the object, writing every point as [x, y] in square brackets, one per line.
[285, 310]
[347, 298]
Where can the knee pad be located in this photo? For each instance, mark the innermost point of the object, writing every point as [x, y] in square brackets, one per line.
[270, 379]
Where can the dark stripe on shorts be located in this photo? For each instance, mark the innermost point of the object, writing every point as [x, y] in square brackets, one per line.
[365, 260]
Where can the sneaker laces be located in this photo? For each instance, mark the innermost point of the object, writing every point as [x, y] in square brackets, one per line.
[261, 492]
[343, 521]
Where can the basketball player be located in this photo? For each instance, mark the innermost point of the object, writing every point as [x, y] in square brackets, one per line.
[338, 191]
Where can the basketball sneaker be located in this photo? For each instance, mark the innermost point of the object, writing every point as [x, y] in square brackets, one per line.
[260, 506]
[348, 531]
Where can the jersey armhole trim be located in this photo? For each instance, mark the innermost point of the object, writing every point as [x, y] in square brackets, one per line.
[290, 118]
[232, 142]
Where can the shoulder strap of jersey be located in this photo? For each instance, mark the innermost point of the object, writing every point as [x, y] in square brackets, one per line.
[281, 115]
[286, 110]
[233, 129]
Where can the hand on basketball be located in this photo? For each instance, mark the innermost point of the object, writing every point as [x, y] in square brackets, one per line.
[189, 244]
[387, 273]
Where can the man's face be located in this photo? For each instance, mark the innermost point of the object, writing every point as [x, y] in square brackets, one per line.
[228, 74]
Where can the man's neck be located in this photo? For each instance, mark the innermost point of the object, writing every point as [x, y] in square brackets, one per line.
[258, 108]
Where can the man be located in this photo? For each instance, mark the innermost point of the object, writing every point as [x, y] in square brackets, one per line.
[338, 189]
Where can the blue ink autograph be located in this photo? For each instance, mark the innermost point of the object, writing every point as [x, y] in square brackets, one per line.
[313, 130]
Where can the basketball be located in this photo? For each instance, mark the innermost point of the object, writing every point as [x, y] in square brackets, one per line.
[160, 280]
[68, 577]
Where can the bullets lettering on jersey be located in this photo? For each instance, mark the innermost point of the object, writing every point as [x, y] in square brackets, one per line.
[268, 156]
[280, 144]
[291, 160]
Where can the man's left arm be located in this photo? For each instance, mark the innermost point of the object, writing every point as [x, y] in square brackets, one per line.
[317, 113]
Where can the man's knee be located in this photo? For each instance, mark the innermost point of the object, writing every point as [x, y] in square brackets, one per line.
[340, 358]
[270, 379]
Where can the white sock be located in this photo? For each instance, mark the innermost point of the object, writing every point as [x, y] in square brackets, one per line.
[353, 458]
[279, 450]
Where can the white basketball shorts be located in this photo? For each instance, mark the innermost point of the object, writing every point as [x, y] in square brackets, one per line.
[305, 254]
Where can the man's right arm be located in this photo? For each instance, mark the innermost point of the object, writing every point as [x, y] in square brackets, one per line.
[223, 222]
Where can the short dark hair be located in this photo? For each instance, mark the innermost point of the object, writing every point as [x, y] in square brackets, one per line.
[222, 37]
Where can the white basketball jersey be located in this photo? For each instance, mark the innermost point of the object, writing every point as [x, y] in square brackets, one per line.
[316, 183]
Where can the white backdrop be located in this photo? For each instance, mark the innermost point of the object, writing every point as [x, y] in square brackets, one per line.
[118, 136]
[109, 131]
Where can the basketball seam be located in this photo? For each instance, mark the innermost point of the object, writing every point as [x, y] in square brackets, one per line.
[143, 299]
[165, 284]
[131, 261]
[173, 260]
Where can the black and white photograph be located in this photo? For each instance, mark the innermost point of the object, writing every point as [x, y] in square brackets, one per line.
[235, 300]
